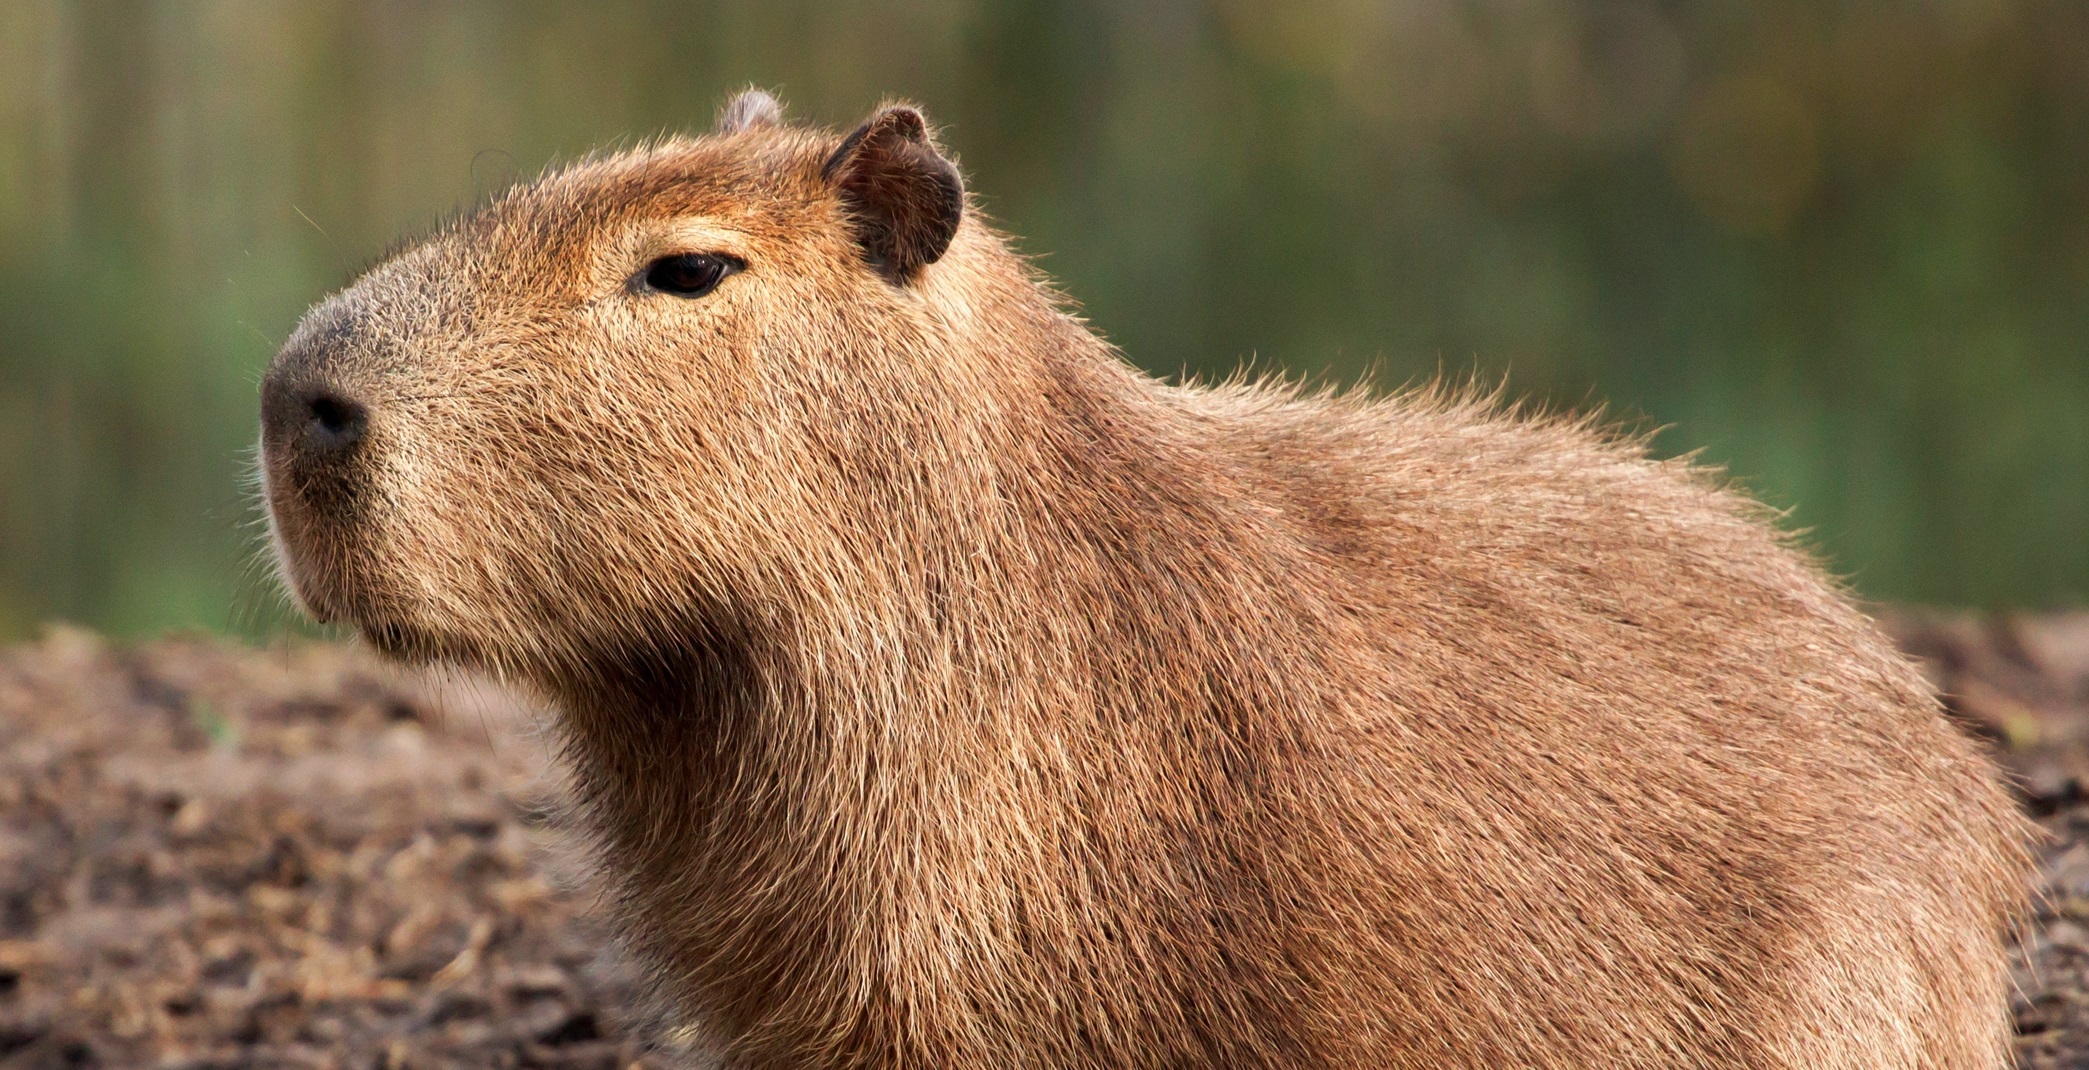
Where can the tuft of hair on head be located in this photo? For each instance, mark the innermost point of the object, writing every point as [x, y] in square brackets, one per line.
[903, 198]
[748, 109]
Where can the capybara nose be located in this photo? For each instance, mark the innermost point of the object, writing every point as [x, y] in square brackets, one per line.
[334, 424]
[315, 423]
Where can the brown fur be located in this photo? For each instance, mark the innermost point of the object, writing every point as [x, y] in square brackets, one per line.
[943, 692]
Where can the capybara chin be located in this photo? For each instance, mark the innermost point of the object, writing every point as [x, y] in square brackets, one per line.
[942, 692]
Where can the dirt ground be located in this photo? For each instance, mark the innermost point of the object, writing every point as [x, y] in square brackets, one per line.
[218, 857]
[215, 857]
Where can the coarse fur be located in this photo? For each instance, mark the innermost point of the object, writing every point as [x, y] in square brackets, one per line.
[942, 692]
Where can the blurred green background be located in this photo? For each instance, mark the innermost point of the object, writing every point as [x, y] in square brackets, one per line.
[1843, 245]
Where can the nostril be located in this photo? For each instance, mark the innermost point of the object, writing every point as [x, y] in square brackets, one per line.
[339, 421]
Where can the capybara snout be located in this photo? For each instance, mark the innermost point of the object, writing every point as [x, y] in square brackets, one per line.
[312, 420]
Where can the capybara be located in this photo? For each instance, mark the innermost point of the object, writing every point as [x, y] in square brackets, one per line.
[940, 691]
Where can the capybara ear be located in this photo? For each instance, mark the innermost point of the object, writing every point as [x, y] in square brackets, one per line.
[904, 199]
[749, 109]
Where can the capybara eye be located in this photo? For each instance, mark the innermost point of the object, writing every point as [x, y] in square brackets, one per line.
[690, 274]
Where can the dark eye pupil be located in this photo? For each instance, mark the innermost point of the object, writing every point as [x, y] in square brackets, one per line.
[688, 275]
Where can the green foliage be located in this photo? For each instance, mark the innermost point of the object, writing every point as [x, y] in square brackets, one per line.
[1844, 246]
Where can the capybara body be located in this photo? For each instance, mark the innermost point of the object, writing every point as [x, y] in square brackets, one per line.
[942, 692]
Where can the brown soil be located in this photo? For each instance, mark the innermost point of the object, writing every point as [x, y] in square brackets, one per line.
[221, 857]
[214, 856]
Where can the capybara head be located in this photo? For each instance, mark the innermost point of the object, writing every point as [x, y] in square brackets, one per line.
[621, 393]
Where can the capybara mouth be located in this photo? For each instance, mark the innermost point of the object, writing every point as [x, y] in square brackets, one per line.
[325, 561]
[288, 542]
[315, 560]
[339, 597]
